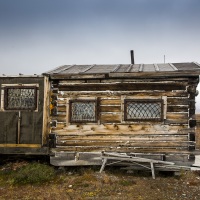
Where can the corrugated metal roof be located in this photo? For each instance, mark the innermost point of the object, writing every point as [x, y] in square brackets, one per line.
[125, 68]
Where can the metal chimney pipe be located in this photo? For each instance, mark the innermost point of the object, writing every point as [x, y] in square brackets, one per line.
[132, 57]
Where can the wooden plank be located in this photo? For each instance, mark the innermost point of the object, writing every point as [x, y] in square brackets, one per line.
[65, 82]
[177, 101]
[60, 125]
[152, 170]
[122, 130]
[93, 81]
[140, 138]
[103, 165]
[197, 135]
[177, 116]
[185, 130]
[61, 108]
[151, 150]
[110, 108]
[59, 118]
[45, 128]
[158, 80]
[176, 122]
[21, 145]
[177, 108]
[66, 94]
[61, 101]
[74, 132]
[134, 144]
[124, 86]
[110, 101]
[110, 118]
[76, 76]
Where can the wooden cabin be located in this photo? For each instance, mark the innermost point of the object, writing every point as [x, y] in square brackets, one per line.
[145, 110]
[75, 112]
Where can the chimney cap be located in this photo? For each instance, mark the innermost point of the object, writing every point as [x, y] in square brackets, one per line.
[132, 57]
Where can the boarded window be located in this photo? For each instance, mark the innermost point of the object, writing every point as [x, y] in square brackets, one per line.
[20, 98]
[83, 110]
[143, 110]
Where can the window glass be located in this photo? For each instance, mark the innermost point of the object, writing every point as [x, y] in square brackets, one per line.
[83, 111]
[143, 110]
[20, 98]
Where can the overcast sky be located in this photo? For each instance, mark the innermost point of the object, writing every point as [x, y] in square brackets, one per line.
[38, 35]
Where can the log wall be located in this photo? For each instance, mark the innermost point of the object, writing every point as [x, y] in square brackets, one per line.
[175, 134]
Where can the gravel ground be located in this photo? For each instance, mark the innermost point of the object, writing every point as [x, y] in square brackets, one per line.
[113, 183]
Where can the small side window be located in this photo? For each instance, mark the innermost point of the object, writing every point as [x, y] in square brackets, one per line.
[143, 110]
[82, 111]
[20, 98]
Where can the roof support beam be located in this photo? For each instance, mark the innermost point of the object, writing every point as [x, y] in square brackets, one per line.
[197, 64]
[129, 68]
[116, 68]
[141, 67]
[59, 69]
[173, 67]
[156, 67]
[90, 67]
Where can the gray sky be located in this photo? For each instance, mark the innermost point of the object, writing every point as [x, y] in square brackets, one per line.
[38, 35]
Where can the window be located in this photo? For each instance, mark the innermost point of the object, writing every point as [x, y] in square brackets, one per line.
[143, 110]
[20, 98]
[83, 111]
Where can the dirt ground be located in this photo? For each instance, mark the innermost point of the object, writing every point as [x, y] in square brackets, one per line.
[113, 183]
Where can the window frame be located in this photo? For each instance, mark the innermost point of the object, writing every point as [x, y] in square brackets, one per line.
[83, 100]
[144, 101]
[6, 88]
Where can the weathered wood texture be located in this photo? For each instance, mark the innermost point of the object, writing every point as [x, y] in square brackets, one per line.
[112, 132]
[197, 137]
[46, 111]
[32, 124]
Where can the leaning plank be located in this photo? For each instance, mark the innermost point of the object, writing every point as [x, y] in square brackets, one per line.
[136, 160]
[152, 170]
